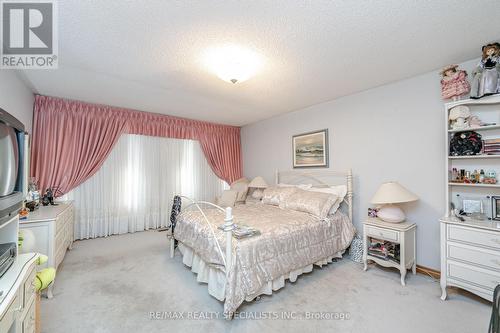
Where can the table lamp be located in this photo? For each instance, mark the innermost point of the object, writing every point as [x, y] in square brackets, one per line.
[388, 195]
[258, 183]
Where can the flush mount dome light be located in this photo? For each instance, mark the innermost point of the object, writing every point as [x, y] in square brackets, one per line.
[233, 63]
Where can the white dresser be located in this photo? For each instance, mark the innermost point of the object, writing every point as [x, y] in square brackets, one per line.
[470, 256]
[52, 227]
[17, 299]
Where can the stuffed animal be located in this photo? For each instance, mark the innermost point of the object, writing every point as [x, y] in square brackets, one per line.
[454, 82]
[486, 76]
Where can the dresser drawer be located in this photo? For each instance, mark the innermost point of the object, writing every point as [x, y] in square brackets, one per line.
[483, 278]
[476, 256]
[10, 315]
[385, 234]
[29, 287]
[474, 236]
[29, 322]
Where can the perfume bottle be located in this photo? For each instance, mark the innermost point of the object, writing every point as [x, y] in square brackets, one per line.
[481, 176]
[475, 177]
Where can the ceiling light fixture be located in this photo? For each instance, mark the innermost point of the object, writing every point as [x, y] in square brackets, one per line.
[233, 63]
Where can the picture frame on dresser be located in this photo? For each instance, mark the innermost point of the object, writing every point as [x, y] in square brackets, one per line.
[495, 207]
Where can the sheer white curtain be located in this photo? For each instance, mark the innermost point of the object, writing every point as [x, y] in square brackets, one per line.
[134, 188]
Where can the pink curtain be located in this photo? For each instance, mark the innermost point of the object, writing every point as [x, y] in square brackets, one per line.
[71, 139]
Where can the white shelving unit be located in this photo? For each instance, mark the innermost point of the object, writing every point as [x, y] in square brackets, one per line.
[488, 110]
[470, 249]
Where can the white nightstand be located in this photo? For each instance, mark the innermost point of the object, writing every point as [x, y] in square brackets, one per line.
[399, 233]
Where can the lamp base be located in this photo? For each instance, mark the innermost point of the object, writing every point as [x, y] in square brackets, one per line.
[391, 214]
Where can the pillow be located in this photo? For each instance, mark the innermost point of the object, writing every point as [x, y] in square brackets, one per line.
[240, 186]
[227, 199]
[275, 195]
[340, 191]
[301, 186]
[315, 203]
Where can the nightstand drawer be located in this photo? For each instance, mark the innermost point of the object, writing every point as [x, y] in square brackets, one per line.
[385, 234]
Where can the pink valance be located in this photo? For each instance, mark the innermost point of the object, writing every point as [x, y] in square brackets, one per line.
[72, 139]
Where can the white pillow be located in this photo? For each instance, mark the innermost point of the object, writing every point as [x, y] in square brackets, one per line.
[227, 199]
[301, 186]
[340, 191]
[240, 186]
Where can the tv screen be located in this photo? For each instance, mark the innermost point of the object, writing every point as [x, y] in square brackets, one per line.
[9, 163]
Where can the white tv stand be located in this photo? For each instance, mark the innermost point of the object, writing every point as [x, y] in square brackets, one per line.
[17, 287]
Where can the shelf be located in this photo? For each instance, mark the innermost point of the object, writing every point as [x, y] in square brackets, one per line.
[9, 222]
[482, 128]
[488, 100]
[474, 185]
[470, 157]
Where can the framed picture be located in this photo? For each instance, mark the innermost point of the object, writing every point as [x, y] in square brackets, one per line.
[472, 206]
[310, 150]
[495, 207]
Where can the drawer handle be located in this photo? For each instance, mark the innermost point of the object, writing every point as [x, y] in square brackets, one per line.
[19, 308]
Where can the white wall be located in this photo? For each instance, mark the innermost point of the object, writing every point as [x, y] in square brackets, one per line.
[16, 98]
[392, 132]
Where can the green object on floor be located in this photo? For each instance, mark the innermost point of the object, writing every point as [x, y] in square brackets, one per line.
[44, 278]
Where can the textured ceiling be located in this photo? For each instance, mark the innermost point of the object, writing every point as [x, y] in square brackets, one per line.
[146, 54]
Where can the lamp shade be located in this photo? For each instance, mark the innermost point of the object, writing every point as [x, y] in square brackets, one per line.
[258, 182]
[392, 192]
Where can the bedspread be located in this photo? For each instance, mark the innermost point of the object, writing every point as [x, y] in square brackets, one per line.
[289, 240]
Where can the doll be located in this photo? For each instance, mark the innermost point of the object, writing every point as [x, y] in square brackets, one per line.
[454, 82]
[486, 76]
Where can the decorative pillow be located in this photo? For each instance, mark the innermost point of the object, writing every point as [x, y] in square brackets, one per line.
[340, 191]
[275, 195]
[301, 186]
[315, 203]
[240, 186]
[227, 199]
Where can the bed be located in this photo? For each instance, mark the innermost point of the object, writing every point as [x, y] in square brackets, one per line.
[289, 244]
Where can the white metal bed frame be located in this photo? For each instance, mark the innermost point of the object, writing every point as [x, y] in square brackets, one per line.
[293, 175]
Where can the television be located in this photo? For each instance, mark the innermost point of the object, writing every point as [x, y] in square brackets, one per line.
[13, 166]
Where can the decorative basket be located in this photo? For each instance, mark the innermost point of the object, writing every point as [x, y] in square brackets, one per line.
[356, 251]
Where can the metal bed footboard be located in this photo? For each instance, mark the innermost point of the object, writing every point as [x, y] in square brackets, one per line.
[228, 227]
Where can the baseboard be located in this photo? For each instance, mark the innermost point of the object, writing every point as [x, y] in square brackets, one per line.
[429, 271]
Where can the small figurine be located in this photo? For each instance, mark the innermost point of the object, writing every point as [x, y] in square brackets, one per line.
[486, 76]
[48, 197]
[459, 117]
[454, 82]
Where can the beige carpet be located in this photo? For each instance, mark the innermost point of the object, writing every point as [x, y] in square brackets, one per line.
[113, 285]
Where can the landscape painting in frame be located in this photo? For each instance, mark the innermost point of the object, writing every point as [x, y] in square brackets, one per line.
[310, 150]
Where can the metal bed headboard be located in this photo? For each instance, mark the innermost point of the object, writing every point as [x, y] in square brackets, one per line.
[319, 178]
